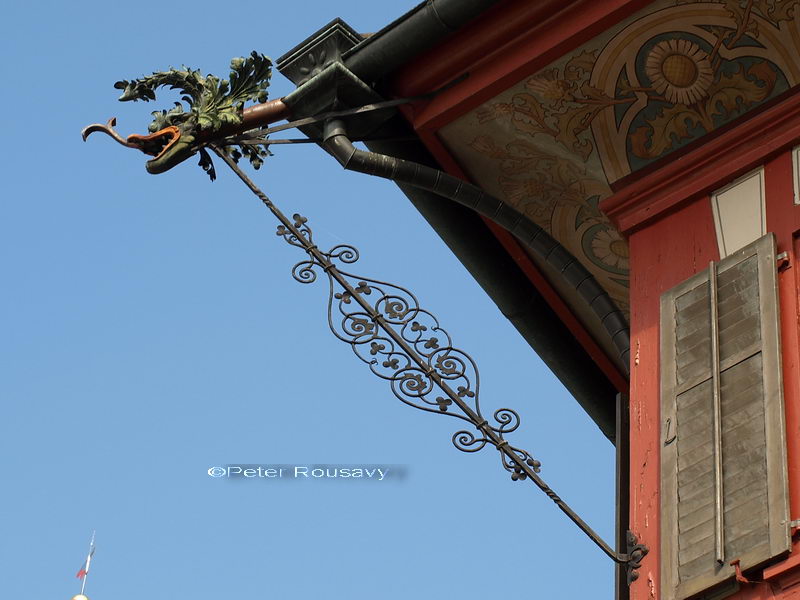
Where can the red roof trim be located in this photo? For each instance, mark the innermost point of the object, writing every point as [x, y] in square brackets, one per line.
[720, 159]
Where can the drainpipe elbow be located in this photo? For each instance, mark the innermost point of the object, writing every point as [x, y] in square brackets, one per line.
[336, 142]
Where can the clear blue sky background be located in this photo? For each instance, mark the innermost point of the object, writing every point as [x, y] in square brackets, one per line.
[151, 330]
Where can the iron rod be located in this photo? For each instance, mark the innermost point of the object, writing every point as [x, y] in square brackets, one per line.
[719, 533]
[475, 418]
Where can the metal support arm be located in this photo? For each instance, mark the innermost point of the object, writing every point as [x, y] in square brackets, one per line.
[405, 345]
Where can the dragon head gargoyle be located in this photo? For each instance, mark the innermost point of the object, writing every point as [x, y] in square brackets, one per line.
[215, 109]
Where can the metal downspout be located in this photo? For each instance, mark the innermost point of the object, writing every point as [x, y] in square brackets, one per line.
[533, 237]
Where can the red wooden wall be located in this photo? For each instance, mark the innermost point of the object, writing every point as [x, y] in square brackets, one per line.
[668, 248]
[665, 214]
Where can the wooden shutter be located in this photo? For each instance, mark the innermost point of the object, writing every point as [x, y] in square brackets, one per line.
[723, 452]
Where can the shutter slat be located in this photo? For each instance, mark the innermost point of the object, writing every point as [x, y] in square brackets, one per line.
[695, 424]
[692, 334]
[742, 336]
[690, 520]
[699, 566]
[697, 498]
[694, 464]
[689, 460]
[696, 393]
[704, 547]
[702, 487]
[741, 489]
[695, 535]
[695, 439]
[691, 312]
[737, 283]
[692, 362]
[743, 412]
[741, 316]
[741, 307]
[692, 299]
[732, 290]
[746, 390]
[746, 544]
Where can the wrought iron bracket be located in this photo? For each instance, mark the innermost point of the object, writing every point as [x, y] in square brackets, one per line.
[405, 345]
[636, 552]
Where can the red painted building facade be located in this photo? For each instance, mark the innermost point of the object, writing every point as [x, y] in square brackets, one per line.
[623, 128]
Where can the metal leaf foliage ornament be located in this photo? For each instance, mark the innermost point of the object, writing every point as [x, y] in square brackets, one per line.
[212, 104]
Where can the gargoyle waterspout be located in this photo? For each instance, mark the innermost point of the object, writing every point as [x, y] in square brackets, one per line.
[215, 110]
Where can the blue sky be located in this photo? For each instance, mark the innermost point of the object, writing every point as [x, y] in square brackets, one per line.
[151, 329]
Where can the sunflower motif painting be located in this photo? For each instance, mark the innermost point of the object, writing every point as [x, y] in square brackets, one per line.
[680, 71]
[694, 68]
[667, 78]
[632, 97]
[610, 248]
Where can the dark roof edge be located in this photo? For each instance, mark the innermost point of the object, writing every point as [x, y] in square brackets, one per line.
[460, 228]
[518, 300]
[408, 36]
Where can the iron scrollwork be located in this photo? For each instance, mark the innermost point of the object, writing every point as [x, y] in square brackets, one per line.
[417, 357]
[405, 345]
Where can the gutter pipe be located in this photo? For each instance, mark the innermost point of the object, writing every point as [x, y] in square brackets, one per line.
[411, 34]
[533, 237]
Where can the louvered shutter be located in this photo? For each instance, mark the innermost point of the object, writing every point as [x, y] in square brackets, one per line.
[723, 453]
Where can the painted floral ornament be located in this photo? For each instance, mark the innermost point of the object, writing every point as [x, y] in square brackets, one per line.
[680, 70]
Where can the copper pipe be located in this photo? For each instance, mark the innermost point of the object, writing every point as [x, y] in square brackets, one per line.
[264, 114]
[254, 116]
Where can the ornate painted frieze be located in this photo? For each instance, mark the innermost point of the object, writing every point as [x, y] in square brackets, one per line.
[643, 91]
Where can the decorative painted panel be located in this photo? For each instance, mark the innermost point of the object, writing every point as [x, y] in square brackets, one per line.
[642, 91]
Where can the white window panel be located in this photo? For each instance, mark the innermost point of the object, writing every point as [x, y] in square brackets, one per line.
[739, 213]
[796, 171]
